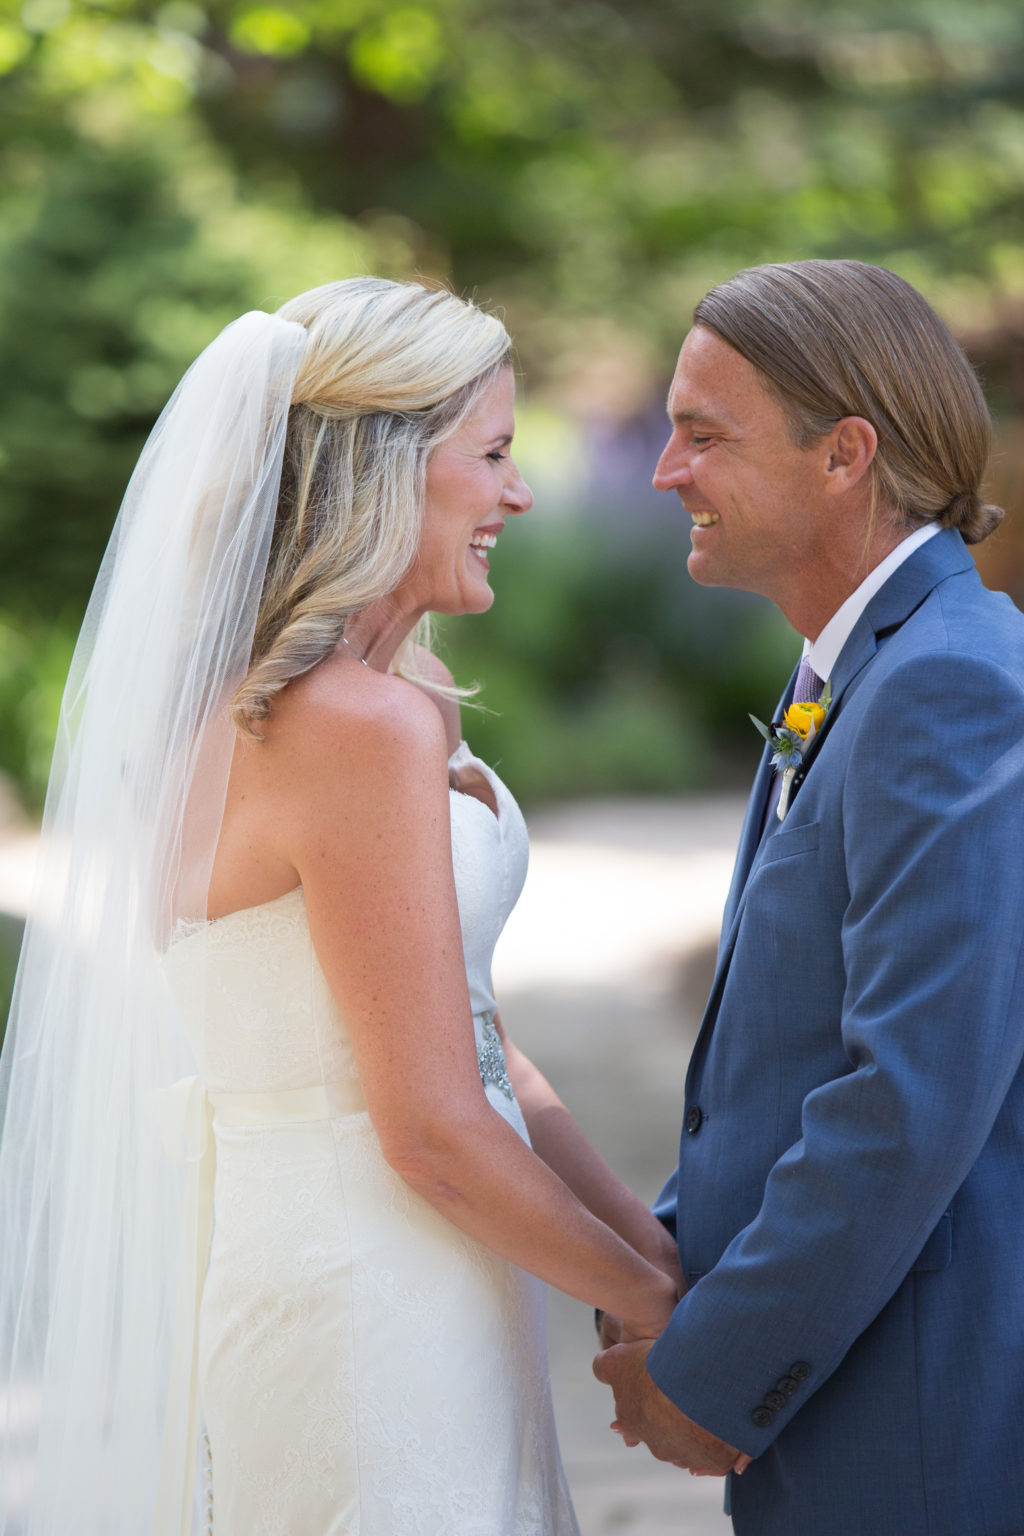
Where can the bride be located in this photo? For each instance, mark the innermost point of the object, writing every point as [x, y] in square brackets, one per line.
[256, 999]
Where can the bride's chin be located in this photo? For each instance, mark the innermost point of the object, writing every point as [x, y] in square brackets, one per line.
[464, 607]
[474, 596]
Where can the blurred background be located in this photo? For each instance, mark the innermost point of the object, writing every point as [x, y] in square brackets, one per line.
[589, 168]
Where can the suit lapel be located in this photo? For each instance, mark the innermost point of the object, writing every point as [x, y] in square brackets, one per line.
[891, 606]
[753, 824]
[906, 589]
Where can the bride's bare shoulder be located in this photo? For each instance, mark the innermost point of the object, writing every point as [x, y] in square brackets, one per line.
[434, 679]
[353, 721]
[350, 764]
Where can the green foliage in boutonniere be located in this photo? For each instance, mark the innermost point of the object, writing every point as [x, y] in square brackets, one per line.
[790, 737]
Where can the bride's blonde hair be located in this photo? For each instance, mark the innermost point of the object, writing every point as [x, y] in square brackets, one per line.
[390, 370]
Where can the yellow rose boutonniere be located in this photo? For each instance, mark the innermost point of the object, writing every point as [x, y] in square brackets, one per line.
[804, 719]
[790, 738]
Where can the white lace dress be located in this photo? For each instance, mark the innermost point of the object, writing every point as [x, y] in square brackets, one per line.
[366, 1369]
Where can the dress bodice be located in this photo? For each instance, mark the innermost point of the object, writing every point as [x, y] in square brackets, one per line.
[270, 1020]
[489, 857]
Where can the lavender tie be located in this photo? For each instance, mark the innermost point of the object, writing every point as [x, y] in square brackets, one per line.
[808, 686]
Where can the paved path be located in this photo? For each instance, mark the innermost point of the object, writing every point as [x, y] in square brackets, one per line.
[601, 975]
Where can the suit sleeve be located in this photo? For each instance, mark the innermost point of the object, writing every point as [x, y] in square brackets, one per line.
[933, 1029]
[665, 1205]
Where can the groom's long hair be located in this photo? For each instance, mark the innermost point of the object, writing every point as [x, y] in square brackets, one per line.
[843, 338]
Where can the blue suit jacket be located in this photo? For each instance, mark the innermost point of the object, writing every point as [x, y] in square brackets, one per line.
[850, 1209]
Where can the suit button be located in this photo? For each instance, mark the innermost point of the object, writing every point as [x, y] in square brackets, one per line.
[762, 1416]
[694, 1120]
[787, 1384]
[800, 1371]
[774, 1400]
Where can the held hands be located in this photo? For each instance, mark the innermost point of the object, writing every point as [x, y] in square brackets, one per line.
[645, 1415]
[661, 1302]
[657, 1301]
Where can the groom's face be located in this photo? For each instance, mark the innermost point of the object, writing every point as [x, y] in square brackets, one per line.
[750, 491]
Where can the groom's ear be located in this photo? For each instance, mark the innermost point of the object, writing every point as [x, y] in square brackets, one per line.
[850, 449]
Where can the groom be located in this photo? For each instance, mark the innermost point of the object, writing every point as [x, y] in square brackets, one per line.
[849, 1202]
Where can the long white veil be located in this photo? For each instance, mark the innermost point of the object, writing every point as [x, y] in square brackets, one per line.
[91, 1211]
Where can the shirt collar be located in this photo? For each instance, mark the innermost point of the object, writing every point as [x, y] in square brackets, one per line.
[823, 653]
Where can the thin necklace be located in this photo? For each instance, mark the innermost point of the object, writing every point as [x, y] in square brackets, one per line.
[355, 653]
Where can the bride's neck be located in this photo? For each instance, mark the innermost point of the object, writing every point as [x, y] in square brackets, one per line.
[376, 633]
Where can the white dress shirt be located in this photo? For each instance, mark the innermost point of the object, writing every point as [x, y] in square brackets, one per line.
[823, 653]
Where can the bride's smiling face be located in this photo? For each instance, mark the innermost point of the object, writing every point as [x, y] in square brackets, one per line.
[472, 486]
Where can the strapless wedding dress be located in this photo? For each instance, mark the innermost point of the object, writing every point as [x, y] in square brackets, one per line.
[366, 1369]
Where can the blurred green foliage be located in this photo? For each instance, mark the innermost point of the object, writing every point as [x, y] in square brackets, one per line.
[10, 944]
[591, 166]
[34, 658]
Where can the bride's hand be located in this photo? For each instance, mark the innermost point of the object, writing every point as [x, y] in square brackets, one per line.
[656, 1305]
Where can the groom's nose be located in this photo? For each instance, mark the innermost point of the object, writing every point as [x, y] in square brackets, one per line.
[673, 468]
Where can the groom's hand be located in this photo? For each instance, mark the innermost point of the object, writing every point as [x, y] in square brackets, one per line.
[644, 1414]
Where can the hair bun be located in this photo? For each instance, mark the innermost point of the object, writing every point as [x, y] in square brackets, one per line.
[973, 518]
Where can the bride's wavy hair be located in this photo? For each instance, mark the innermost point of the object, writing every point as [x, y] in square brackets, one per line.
[390, 371]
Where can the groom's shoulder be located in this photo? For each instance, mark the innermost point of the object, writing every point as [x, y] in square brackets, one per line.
[968, 621]
[959, 618]
[959, 656]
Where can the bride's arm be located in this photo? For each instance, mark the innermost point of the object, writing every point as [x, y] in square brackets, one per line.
[356, 791]
[559, 1141]
[556, 1137]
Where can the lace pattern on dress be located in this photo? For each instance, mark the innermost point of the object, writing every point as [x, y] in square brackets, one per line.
[207, 1485]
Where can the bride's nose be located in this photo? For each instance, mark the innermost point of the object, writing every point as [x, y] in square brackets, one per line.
[517, 496]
